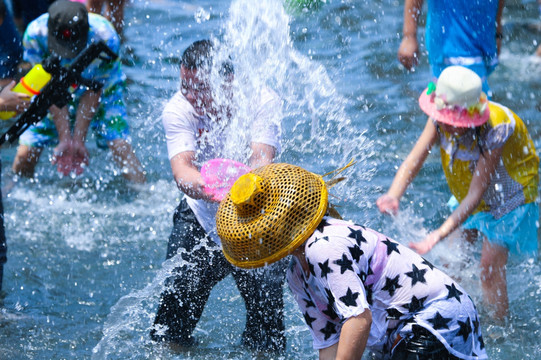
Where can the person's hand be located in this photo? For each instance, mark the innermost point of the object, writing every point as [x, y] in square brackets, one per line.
[408, 52]
[388, 204]
[70, 156]
[427, 244]
[13, 101]
[79, 155]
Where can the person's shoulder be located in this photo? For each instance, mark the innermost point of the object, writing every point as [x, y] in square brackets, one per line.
[102, 29]
[500, 115]
[178, 108]
[177, 103]
[38, 26]
[327, 237]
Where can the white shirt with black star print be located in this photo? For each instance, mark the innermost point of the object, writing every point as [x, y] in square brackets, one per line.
[354, 268]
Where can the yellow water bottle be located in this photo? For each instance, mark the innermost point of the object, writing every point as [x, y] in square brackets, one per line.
[31, 84]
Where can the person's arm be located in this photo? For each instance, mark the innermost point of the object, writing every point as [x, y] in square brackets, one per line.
[12, 101]
[409, 47]
[353, 338]
[409, 169]
[188, 177]
[262, 154]
[481, 179]
[88, 105]
[499, 28]
[70, 154]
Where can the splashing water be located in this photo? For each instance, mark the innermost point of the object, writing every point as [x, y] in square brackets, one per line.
[85, 259]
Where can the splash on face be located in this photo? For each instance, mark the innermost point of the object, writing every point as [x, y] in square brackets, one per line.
[196, 88]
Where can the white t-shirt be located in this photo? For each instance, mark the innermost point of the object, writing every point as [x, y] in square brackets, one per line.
[185, 130]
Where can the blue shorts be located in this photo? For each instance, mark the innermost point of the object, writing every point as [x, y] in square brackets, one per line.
[516, 230]
[109, 122]
[481, 69]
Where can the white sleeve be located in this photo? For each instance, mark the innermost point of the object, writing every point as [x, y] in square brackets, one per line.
[267, 125]
[180, 126]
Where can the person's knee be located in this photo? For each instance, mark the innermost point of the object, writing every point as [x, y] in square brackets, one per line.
[26, 160]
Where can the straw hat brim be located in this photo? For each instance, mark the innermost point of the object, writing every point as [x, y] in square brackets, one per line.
[453, 117]
[260, 235]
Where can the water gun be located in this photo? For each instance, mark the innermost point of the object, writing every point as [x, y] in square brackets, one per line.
[31, 84]
[56, 91]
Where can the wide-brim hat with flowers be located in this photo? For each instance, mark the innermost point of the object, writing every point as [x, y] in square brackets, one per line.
[270, 211]
[456, 99]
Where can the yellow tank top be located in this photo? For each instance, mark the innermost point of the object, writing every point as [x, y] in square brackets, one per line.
[516, 178]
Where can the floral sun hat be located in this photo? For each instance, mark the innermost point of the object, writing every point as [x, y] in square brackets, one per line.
[457, 98]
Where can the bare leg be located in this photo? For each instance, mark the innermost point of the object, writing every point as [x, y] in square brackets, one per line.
[124, 156]
[493, 278]
[26, 160]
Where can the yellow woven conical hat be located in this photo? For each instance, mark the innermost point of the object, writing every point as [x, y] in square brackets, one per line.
[269, 212]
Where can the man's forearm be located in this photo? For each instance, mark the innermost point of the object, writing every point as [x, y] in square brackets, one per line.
[88, 106]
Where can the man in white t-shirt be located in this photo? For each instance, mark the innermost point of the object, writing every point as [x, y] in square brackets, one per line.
[199, 129]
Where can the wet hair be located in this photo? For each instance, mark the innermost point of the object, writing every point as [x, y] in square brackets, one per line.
[199, 54]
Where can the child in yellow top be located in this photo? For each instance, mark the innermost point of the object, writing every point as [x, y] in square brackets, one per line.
[491, 167]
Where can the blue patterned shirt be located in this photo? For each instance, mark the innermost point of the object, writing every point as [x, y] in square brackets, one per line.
[36, 48]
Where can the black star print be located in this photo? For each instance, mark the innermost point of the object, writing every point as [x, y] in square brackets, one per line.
[439, 322]
[416, 304]
[355, 252]
[325, 269]
[328, 330]
[475, 325]
[311, 268]
[465, 329]
[370, 272]
[453, 292]
[481, 342]
[357, 235]
[330, 312]
[391, 246]
[427, 263]
[350, 299]
[326, 238]
[308, 299]
[417, 275]
[309, 320]
[322, 224]
[393, 314]
[345, 264]
[391, 285]
[369, 293]
[330, 296]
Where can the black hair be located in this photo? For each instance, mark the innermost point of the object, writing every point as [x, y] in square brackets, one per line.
[199, 54]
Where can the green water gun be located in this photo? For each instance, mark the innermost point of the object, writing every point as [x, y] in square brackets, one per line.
[56, 91]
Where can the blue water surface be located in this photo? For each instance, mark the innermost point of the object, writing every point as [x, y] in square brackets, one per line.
[86, 255]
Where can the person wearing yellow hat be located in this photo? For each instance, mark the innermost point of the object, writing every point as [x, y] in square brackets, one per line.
[356, 288]
[491, 167]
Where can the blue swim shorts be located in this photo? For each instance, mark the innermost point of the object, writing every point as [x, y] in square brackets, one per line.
[516, 230]
[108, 124]
[482, 69]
